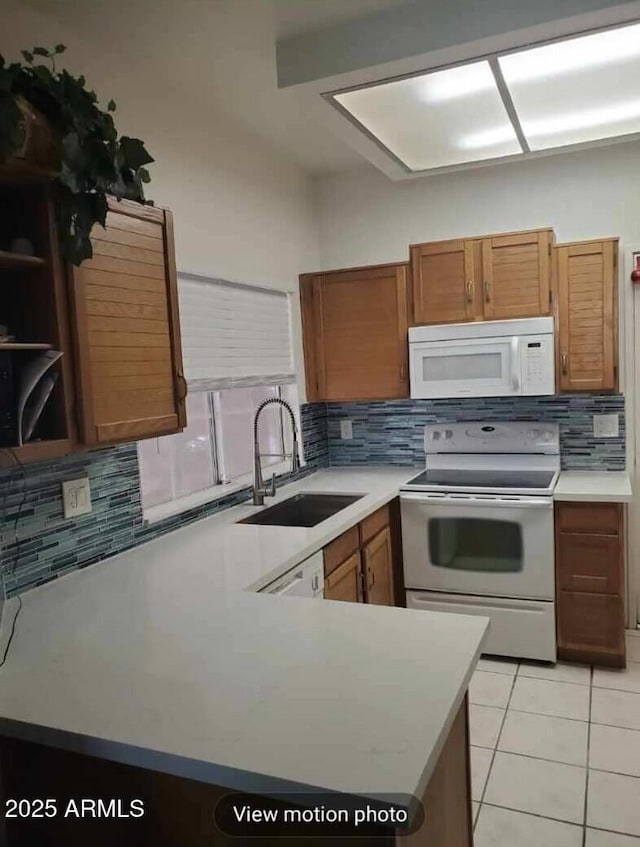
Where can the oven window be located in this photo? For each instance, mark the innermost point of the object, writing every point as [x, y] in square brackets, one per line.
[473, 544]
[440, 366]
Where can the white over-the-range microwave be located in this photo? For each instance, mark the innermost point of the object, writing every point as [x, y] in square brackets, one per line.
[484, 359]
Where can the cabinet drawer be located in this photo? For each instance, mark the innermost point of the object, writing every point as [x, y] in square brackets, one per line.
[604, 518]
[589, 562]
[591, 622]
[372, 525]
[340, 549]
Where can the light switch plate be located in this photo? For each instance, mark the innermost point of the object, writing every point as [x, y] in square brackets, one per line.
[606, 426]
[76, 497]
[346, 429]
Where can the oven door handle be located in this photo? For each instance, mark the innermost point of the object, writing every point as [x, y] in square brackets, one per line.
[473, 502]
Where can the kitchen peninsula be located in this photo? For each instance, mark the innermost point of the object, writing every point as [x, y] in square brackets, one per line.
[143, 676]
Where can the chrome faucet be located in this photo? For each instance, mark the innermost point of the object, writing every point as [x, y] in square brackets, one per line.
[260, 490]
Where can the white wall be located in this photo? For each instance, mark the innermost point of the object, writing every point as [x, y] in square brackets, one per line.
[242, 210]
[365, 217]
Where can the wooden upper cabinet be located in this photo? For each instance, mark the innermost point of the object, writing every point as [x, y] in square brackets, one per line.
[516, 275]
[488, 278]
[587, 307]
[355, 325]
[127, 333]
[444, 278]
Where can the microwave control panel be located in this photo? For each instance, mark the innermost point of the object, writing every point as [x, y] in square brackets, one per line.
[538, 367]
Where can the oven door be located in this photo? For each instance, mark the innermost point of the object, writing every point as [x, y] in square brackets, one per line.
[482, 367]
[482, 545]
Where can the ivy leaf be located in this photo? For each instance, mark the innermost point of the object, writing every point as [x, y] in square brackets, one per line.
[40, 51]
[134, 152]
[143, 173]
[44, 74]
[111, 106]
[59, 48]
[5, 79]
[28, 57]
[10, 117]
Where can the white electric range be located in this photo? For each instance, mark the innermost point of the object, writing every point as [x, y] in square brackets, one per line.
[478, 531]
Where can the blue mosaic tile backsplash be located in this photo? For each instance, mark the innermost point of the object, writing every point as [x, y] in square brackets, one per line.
[391, 432]
[47, 546]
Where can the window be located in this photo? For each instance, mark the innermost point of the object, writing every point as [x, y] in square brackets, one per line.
[237, 352]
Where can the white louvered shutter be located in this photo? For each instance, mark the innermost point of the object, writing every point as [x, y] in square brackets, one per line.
[233, 335]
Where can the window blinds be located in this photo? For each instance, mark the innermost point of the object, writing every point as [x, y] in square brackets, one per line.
[233, 335]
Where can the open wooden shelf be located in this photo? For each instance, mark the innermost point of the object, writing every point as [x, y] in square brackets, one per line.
[35, 451]
[18, 345]
[17, 260]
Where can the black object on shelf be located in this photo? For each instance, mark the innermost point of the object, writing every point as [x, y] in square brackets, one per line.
[7, 401]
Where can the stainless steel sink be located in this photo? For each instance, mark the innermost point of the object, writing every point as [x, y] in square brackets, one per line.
[303, 510]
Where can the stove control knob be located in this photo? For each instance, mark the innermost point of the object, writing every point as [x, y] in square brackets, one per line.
[435, 435]
[448, 433]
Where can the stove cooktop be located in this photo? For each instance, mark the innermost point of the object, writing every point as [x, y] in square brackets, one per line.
[483, 479]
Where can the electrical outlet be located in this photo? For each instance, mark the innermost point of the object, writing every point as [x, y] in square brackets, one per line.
[346, 430]
[76, 497]
[606, 426]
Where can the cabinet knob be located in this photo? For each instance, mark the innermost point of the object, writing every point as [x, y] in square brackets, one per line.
[487, 291]
[565, 364]
[469, 291]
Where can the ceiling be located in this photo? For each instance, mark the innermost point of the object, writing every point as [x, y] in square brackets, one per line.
[222, 41]
[293, 17]
[222, 54]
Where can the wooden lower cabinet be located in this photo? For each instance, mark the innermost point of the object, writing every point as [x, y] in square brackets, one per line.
[345, 582]
[179, 811]
[377, 565]
[362, 564]
[591, 626]
[590, 582]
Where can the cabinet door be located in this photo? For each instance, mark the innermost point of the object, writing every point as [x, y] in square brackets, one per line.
[589, 562]
[345, 582]
[444, 281]
[355, 333]
[591, 624]
[377, 562]
[587, 305]
[516, 275]
[127, 333]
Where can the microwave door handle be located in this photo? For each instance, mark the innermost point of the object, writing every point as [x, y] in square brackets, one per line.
[515, 364]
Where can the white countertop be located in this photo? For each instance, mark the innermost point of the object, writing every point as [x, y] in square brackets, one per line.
[158, 658]
[594, 486]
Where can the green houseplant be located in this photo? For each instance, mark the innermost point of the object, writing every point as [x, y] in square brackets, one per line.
[41, 106]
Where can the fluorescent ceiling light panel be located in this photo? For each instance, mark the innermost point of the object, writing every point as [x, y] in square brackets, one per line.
[574, 54]
[423, 120]
[580, 90]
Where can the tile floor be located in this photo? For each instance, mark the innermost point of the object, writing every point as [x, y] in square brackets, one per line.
[555, 755]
